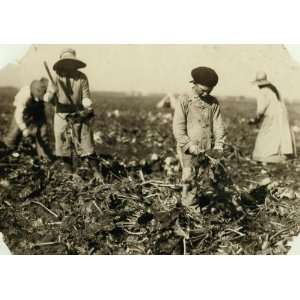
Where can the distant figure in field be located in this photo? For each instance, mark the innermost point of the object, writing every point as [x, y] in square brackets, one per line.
[275, 141]
[29, 119]
[168, 101]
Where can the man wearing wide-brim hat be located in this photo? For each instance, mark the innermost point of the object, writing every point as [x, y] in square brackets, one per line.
[73, 112]
[68, 61]
[275, 141]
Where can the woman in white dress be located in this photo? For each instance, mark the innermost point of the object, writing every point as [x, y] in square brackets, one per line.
[275, 141]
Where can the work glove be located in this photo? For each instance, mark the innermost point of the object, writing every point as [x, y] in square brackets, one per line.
[86, 114]
[26, 133]
[80, 116]
[193, 149]
[53, 89]
[87, 103]
[256, 120]
[252, 121]
[29, 131]
[196, 150]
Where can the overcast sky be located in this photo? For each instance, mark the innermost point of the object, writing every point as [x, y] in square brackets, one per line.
[12, 53]
[294, 51]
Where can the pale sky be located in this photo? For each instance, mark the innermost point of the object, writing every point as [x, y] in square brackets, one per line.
[294, 51]
[12, 53]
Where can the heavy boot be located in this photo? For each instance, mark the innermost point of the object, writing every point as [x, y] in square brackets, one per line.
[68, 165]
[70, 170]
[94, 165]
[189, 194]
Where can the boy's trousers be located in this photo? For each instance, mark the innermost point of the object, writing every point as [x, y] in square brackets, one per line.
[193, 168]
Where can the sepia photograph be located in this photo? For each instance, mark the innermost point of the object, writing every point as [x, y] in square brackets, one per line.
[149, 149]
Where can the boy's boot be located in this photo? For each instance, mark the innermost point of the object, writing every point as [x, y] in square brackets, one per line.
[188, 195]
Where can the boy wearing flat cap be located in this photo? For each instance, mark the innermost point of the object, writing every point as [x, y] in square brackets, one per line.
[73, 112]
[29, 119]
[197, 127]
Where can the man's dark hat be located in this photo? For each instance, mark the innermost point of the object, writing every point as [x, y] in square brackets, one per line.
[205, 76]
[68, 59]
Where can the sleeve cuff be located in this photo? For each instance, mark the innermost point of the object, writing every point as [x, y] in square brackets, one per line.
[186, 147]
[22, 127]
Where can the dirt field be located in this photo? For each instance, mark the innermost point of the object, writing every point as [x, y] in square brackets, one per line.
[137, 211]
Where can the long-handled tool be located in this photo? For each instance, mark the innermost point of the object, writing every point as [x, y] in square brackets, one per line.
[48, 72]
[52, 81]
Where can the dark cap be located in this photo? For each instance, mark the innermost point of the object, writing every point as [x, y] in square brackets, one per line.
[205, 76]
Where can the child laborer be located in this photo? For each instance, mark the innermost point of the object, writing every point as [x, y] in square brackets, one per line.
[73, 112]
[30, 119]
[197, 127]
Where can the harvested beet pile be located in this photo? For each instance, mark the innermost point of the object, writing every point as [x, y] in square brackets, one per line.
[43, 212]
